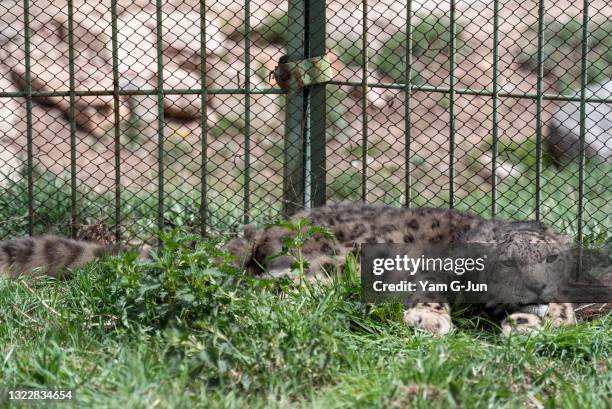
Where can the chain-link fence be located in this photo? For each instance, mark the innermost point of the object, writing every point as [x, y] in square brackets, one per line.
[122, 117]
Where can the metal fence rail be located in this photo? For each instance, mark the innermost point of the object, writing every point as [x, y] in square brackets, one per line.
[122, 118]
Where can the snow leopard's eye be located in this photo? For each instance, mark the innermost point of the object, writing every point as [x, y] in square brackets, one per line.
[508, 262]
[552, 258]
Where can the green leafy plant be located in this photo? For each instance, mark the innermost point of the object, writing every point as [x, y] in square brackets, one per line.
[562, 52]
[273, 29]
[185, 330]
[301, 231]
[346, 185]
[430, 37]
[174, 286]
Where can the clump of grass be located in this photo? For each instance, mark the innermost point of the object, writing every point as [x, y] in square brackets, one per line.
[559, 197]
[430, 37]
[226, 126]
[562, 52]
[272, 30]
[138, 209]
[346, 185]
[186, 330]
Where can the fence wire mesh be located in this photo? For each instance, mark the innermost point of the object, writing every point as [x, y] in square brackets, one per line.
[120, 117]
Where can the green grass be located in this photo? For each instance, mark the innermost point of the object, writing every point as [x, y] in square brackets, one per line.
[139, 210]
[515, 200]
[562, 51]
[185, 330]
[559, 195]
[430, 37]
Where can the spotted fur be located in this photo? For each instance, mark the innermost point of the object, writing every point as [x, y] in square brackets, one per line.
[49, 255]
[353, 224]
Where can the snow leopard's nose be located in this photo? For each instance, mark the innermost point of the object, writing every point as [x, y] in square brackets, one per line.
[536, 288]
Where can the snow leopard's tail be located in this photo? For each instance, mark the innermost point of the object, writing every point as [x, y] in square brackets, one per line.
[51, 255]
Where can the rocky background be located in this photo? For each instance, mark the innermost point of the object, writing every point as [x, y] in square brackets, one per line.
[225, 58]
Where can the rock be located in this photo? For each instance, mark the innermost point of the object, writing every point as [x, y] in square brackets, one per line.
[182, 106]
[11, 25]
[142, 108]
[563, 140]
[503, 169]
[181, 56]
[50, 72]
[136, 40]
[181, 34]
[11, 112]
[10, 163]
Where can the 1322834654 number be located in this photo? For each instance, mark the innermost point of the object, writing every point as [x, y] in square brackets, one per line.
[38, 394]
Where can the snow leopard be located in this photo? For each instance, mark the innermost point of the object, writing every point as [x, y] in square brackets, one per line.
[353, 224]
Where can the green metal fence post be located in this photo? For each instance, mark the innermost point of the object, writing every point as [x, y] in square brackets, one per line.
[117, 130]
[451, 109]
[305, 126]
[408, 106]
[495, 102]
[203, 122]
[28, 97]
[72, 121]
[160, 116]
[539, 96]
[583, 85]
[317, 107]
[293, 175]
[247, 111]
[364, 102]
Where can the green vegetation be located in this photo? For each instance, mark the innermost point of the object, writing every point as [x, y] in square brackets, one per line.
[356, 151]
[52, 198]
[130, 131]
[186, 330]
[515, 200]
[336, 110]
[562, 52]
[347, 185]
[226, 126]
[272, 30]
[516, 194]
[430, 37]
[302, 230]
